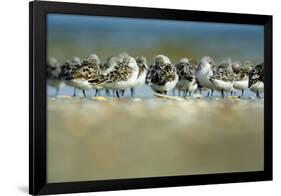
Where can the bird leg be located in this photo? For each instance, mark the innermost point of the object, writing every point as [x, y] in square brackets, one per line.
[74, 93]
[132, 92]
[84, 93]
[107, 93]
[117, 94]
[97, 92]
[122, 92]
[258, 94]
[242, 92]
[212, 92]
[185, 93]
[57, 91]
[222, 94]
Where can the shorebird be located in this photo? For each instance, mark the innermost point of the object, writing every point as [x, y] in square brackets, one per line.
[162, 75]
[67, 69]
[110, 61]
[53, 72]
[80, 75]
[241, 78]
[205, 69]
[256, 79]
[222, 80]
[90, 68]
[140, 81]
[95, 67]
[187, 80]
[143, 69]
[120, 74]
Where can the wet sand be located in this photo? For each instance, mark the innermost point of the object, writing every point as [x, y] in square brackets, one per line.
[106, 138]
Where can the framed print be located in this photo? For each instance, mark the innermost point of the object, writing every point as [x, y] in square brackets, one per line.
[130, 97]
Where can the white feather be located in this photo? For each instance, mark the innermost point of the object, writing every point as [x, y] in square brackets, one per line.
[240, 85]
[222, 85]
[257, 87]
[80, 84]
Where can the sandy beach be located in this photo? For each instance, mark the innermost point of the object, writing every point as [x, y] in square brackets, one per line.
[108, 138]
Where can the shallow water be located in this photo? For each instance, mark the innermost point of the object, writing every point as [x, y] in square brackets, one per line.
[143, 92]
[106, 138]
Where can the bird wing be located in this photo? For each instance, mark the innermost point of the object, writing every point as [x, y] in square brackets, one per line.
[86, 72]
[160, 75]
[223, 74]
[185, 71]
[118, 73]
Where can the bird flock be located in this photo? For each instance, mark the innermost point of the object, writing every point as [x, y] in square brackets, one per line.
[121, 72]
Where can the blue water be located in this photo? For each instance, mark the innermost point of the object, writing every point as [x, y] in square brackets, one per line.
[143, 92]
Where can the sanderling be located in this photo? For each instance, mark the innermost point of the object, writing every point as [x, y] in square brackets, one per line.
[95, 68]
[67, 69]
[241, 79]
[143, 69]
[90, 68]
[53, 72]
[140, 81]
[223, 80]
[110, 61]
[256, 79]
[162, 75]
[121, 73]
[204, 70]
[187, 80]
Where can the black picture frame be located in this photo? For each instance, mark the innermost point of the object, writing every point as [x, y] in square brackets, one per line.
[37, 97]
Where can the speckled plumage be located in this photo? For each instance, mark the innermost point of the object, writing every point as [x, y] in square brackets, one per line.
[240, 73]
[241, 77]
[187, 79]
[185, 71]
[256, 79]
[86, 71]
[222, 79]
[68, 67]
[77, 74]
[162, 75]
[223, 74]
[121, 72]
[256, 74]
